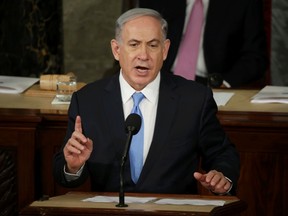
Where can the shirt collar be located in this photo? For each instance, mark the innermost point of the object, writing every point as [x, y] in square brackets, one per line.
[151, 91]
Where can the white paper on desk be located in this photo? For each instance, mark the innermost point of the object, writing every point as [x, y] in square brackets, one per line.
[271, 94]
[221, 98]
[198, 202]
[128, 199]
[15, 85]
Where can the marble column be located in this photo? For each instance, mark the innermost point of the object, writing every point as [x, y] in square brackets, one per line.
[30, 37]
[279, 43]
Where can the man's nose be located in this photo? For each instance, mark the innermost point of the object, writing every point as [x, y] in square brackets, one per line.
[143, 53]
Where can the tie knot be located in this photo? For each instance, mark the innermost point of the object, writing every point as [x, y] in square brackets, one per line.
[137, 98]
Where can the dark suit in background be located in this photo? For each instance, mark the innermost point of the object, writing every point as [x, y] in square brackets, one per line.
[234, 40]
[186, 127]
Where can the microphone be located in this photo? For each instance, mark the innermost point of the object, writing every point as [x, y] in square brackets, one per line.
[133, 123]
[132, 127]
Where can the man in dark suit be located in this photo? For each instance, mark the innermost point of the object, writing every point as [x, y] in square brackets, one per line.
[179, 115]
[233, 43]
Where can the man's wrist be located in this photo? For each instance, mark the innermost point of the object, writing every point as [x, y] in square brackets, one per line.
[77, 173]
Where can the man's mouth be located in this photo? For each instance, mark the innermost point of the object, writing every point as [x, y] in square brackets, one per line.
[142, 68]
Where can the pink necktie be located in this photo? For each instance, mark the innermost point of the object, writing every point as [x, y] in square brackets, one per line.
[189, 49]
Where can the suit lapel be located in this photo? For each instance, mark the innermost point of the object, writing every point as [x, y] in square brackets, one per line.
[215, 30]
[166, 110]
[216, 18]
[112, 103]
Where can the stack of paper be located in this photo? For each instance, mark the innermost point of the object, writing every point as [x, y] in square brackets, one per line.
[129, 199]
[15, 85]
[271, 94]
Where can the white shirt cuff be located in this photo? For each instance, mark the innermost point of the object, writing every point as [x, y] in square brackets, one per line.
[226, 84]
[72, 176]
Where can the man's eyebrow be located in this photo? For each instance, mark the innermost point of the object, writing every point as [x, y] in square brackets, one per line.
[151, 41]
[154, 40]
[133, 40]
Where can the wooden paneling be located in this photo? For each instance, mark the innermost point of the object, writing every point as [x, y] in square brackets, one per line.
[262, 140]
[260, 133]
[17, 135]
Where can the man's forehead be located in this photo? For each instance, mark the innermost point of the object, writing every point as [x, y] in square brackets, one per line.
[143, 28]
[143, 21]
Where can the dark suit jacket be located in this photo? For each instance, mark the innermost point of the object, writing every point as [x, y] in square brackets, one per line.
[234, 40]
[186, 127]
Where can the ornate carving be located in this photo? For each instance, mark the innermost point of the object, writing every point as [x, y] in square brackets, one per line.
[8, 196]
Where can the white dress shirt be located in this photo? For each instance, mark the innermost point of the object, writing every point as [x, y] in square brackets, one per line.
[148, 107]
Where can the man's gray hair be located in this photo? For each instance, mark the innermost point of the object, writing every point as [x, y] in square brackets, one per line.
[139, 12]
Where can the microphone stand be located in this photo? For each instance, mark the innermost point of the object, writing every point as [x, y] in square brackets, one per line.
[124, 158]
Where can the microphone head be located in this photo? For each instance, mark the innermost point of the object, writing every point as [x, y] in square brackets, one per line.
[133, 123]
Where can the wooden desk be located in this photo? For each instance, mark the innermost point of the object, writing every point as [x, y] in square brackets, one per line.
[72, 204]
[260, 133]
[32, 130]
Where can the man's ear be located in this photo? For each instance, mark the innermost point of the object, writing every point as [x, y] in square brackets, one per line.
[115, 49]
[166, 49]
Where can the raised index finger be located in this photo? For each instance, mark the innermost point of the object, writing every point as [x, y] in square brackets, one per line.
[78, 125]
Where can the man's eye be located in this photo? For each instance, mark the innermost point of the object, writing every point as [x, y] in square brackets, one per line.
[154, 45]
[133, 44]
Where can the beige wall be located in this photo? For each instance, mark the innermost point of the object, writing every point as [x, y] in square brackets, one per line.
[88, 27]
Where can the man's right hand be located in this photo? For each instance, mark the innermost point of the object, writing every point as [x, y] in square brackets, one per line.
[78, 149]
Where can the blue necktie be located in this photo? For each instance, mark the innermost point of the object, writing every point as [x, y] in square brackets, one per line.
[136, 148]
